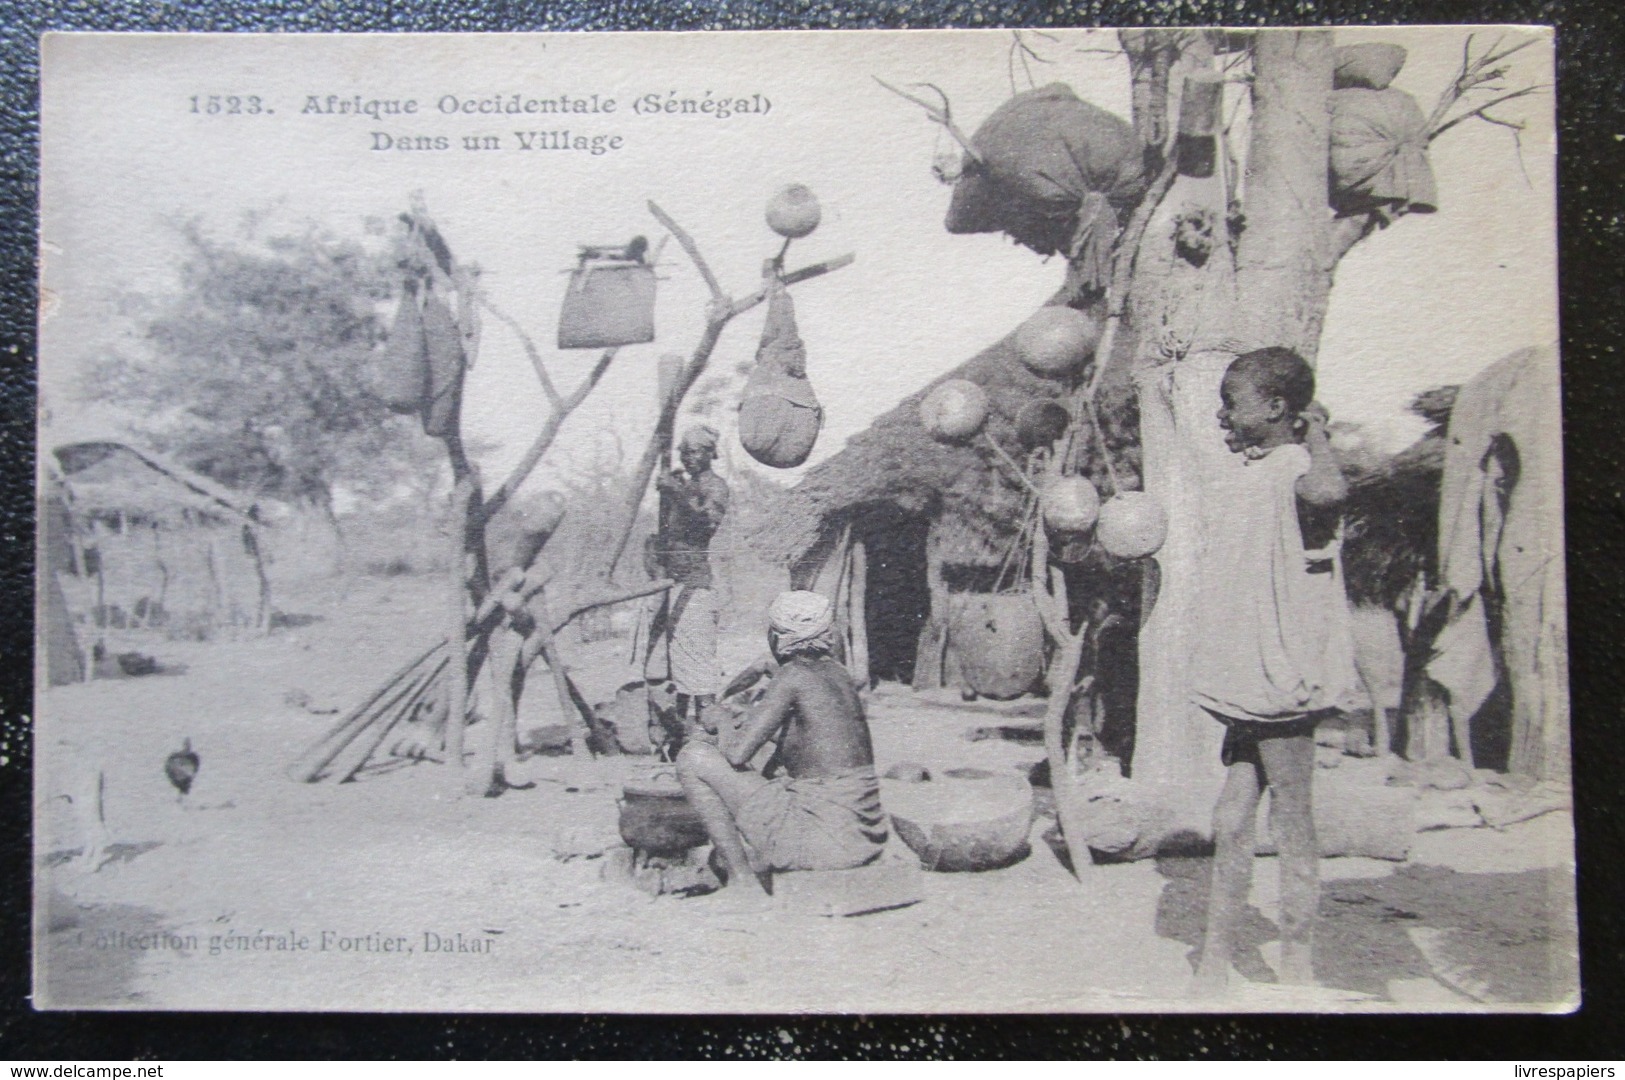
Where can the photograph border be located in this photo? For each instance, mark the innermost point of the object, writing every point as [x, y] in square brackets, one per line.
[1591, 156]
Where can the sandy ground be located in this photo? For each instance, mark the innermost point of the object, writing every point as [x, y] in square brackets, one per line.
[256, 892]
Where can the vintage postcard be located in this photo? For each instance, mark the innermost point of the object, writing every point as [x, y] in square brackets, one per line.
[1007, 521]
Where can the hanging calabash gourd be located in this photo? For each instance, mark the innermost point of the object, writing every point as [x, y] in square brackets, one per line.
[1132, 525]
[954, 410]
[1056, 341]
[1040, 423]
[794, 212]
[1070, 504]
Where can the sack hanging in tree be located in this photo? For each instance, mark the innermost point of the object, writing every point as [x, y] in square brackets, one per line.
[779, 415]
[403, 376]
[443, 345]
[1370, 65]
[1380, 154]
[610, 302]
[1043, 153]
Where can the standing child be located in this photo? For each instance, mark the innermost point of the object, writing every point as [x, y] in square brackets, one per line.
[1274, 654]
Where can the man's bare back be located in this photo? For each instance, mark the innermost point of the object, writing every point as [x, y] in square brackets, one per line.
[814, 710]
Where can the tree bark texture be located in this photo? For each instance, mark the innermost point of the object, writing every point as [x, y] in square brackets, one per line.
[1176, 744]
[1285, 258]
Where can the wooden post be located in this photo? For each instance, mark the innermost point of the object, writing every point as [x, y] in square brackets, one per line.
[504, 720]
[457, 623]
[930, 657]
[857, 602]
[1049, 594]
[251, 544]
[96, 532]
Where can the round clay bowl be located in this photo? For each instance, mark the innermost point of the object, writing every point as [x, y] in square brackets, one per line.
[965, 819]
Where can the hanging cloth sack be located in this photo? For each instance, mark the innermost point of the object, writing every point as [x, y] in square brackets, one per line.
[403, 375]
[610, 302]
[1044, 152]
[1370, 65]
[1379, 156]
[779, 415]
[443, 346]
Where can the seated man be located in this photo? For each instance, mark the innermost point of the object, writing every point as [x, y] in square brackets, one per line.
[824, 814]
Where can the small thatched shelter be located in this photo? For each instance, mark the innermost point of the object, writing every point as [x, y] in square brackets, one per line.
[1391, 521]
[153, 545]
[899, 524]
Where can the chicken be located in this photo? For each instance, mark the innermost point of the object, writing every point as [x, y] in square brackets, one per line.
[181, 767]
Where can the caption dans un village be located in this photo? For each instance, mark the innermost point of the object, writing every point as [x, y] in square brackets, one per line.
[294, 942]
[590, 123]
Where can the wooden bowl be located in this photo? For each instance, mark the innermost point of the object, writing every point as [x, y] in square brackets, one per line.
[964, 819]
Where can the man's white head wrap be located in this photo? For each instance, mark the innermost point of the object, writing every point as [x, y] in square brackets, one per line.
[801, 622]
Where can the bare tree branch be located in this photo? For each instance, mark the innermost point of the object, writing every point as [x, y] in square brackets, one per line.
[545, 437]
[686, 242]
[1474, 74]
[553, 396]
[606, 599]
[938, 114]
[1128, 243]
[1479, 112]
[1480, 74]
[794, 277]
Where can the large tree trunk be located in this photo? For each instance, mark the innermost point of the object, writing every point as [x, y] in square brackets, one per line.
[1285, 259]
[1189, 323]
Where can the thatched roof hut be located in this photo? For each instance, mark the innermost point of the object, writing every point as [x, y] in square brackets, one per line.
[926, 518]
[1391, 521]
[113, 476]
[152, 544]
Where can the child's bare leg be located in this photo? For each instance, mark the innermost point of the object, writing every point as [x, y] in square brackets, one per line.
[1289, 769]
[715, 789]
[1233, 848]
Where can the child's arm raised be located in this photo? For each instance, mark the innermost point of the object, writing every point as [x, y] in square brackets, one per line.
[1323, 485]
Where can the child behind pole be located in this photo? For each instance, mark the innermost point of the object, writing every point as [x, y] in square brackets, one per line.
[1274, 653]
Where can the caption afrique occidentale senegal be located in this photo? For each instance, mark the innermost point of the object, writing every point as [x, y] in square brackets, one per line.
[391, 117]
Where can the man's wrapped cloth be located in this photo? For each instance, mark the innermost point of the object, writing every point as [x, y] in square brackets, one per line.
[817, 822]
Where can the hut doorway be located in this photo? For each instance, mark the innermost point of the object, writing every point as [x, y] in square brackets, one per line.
[897, 602]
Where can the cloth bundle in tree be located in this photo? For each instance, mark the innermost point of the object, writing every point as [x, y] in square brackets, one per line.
[610, 302]
[1053, 170]
[404, 374]
[998, 639]
[779, 415]
[1379, 156]
[443, 349]
[1370, 65]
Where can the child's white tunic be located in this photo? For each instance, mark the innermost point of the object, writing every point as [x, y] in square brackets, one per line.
[1274, 641]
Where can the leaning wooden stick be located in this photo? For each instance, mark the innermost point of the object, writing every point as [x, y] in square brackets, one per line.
[1049, 593]
[388, 722]
[311, 764]
[457, 620]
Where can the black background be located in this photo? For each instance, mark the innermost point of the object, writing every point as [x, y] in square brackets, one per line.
[1591, 37]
